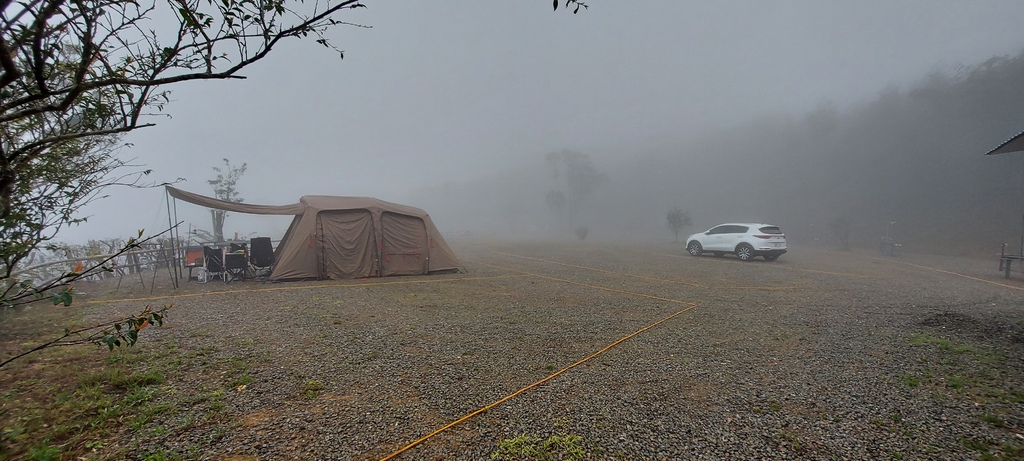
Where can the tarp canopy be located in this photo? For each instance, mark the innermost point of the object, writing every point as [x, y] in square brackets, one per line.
[210, 202]
[348, 237]
[1014, 144]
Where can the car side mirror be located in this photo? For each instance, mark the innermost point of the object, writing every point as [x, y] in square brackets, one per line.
[707, 233]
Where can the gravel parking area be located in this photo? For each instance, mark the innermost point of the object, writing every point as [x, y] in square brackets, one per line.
[819, 355]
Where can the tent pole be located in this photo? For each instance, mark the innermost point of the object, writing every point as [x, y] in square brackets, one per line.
[174, 254]
[180, 252]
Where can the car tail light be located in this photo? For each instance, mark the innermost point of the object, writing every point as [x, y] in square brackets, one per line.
[762, 236]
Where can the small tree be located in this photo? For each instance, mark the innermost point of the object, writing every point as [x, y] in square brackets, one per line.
[224, 189]
[677, 220]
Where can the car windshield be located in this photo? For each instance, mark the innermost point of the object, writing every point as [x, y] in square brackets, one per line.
[770, 230]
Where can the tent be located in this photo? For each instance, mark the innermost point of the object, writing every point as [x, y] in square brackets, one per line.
[347, 237]
[1014, 144]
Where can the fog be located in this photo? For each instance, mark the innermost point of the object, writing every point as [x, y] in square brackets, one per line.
[795, 113]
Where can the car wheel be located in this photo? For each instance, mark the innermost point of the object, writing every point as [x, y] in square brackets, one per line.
[694, 248]
[744, 252]
[718, 253]
[771, 257]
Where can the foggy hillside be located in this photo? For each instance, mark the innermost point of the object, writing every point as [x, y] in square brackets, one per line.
[911, 155]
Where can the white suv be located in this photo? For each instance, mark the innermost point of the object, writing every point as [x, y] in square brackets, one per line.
[745, 240]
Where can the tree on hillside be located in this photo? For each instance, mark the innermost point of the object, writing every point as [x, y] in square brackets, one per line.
[678, 219]
[224, 189]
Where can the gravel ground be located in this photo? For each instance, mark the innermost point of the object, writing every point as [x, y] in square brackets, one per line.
[819, 355]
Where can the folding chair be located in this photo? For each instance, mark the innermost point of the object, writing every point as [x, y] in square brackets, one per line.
[194, 259]
[261, 255]
[235, 264]
[214, 260]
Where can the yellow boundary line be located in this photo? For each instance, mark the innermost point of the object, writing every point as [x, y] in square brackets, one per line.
[977, 279]
[690, 306]
[696, 285]
[303, 287]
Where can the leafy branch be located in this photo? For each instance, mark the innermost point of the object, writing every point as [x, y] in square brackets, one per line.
[572, 2]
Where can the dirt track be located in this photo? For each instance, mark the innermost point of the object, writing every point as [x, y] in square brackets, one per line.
[821, 354]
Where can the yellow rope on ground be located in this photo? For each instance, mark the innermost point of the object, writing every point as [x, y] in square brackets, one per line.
[690, 307]
[1014, 287]
[302, 287]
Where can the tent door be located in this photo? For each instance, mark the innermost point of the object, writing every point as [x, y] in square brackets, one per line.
[346, 247]
[404, 247]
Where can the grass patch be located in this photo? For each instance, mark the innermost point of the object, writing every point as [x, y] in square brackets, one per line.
[71, 402]
[312, 388]
[993, 420]
[982, 375]
[74, 400]
[966, 369]
[956, 382]
[976, 444]
[526, 447]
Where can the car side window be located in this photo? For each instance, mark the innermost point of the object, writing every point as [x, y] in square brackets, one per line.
[718, 230]
[738, 229]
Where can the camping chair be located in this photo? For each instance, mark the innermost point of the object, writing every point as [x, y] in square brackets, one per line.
[194, 259]
[235, 264]
[214, 261]
[261, 255]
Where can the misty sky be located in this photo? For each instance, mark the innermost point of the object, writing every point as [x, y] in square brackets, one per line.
[445, 91]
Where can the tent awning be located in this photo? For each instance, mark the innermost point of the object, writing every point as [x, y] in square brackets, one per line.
[1014, 144]
[210, 202]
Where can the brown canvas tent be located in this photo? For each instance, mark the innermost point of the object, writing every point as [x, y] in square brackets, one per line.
[348, 237]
